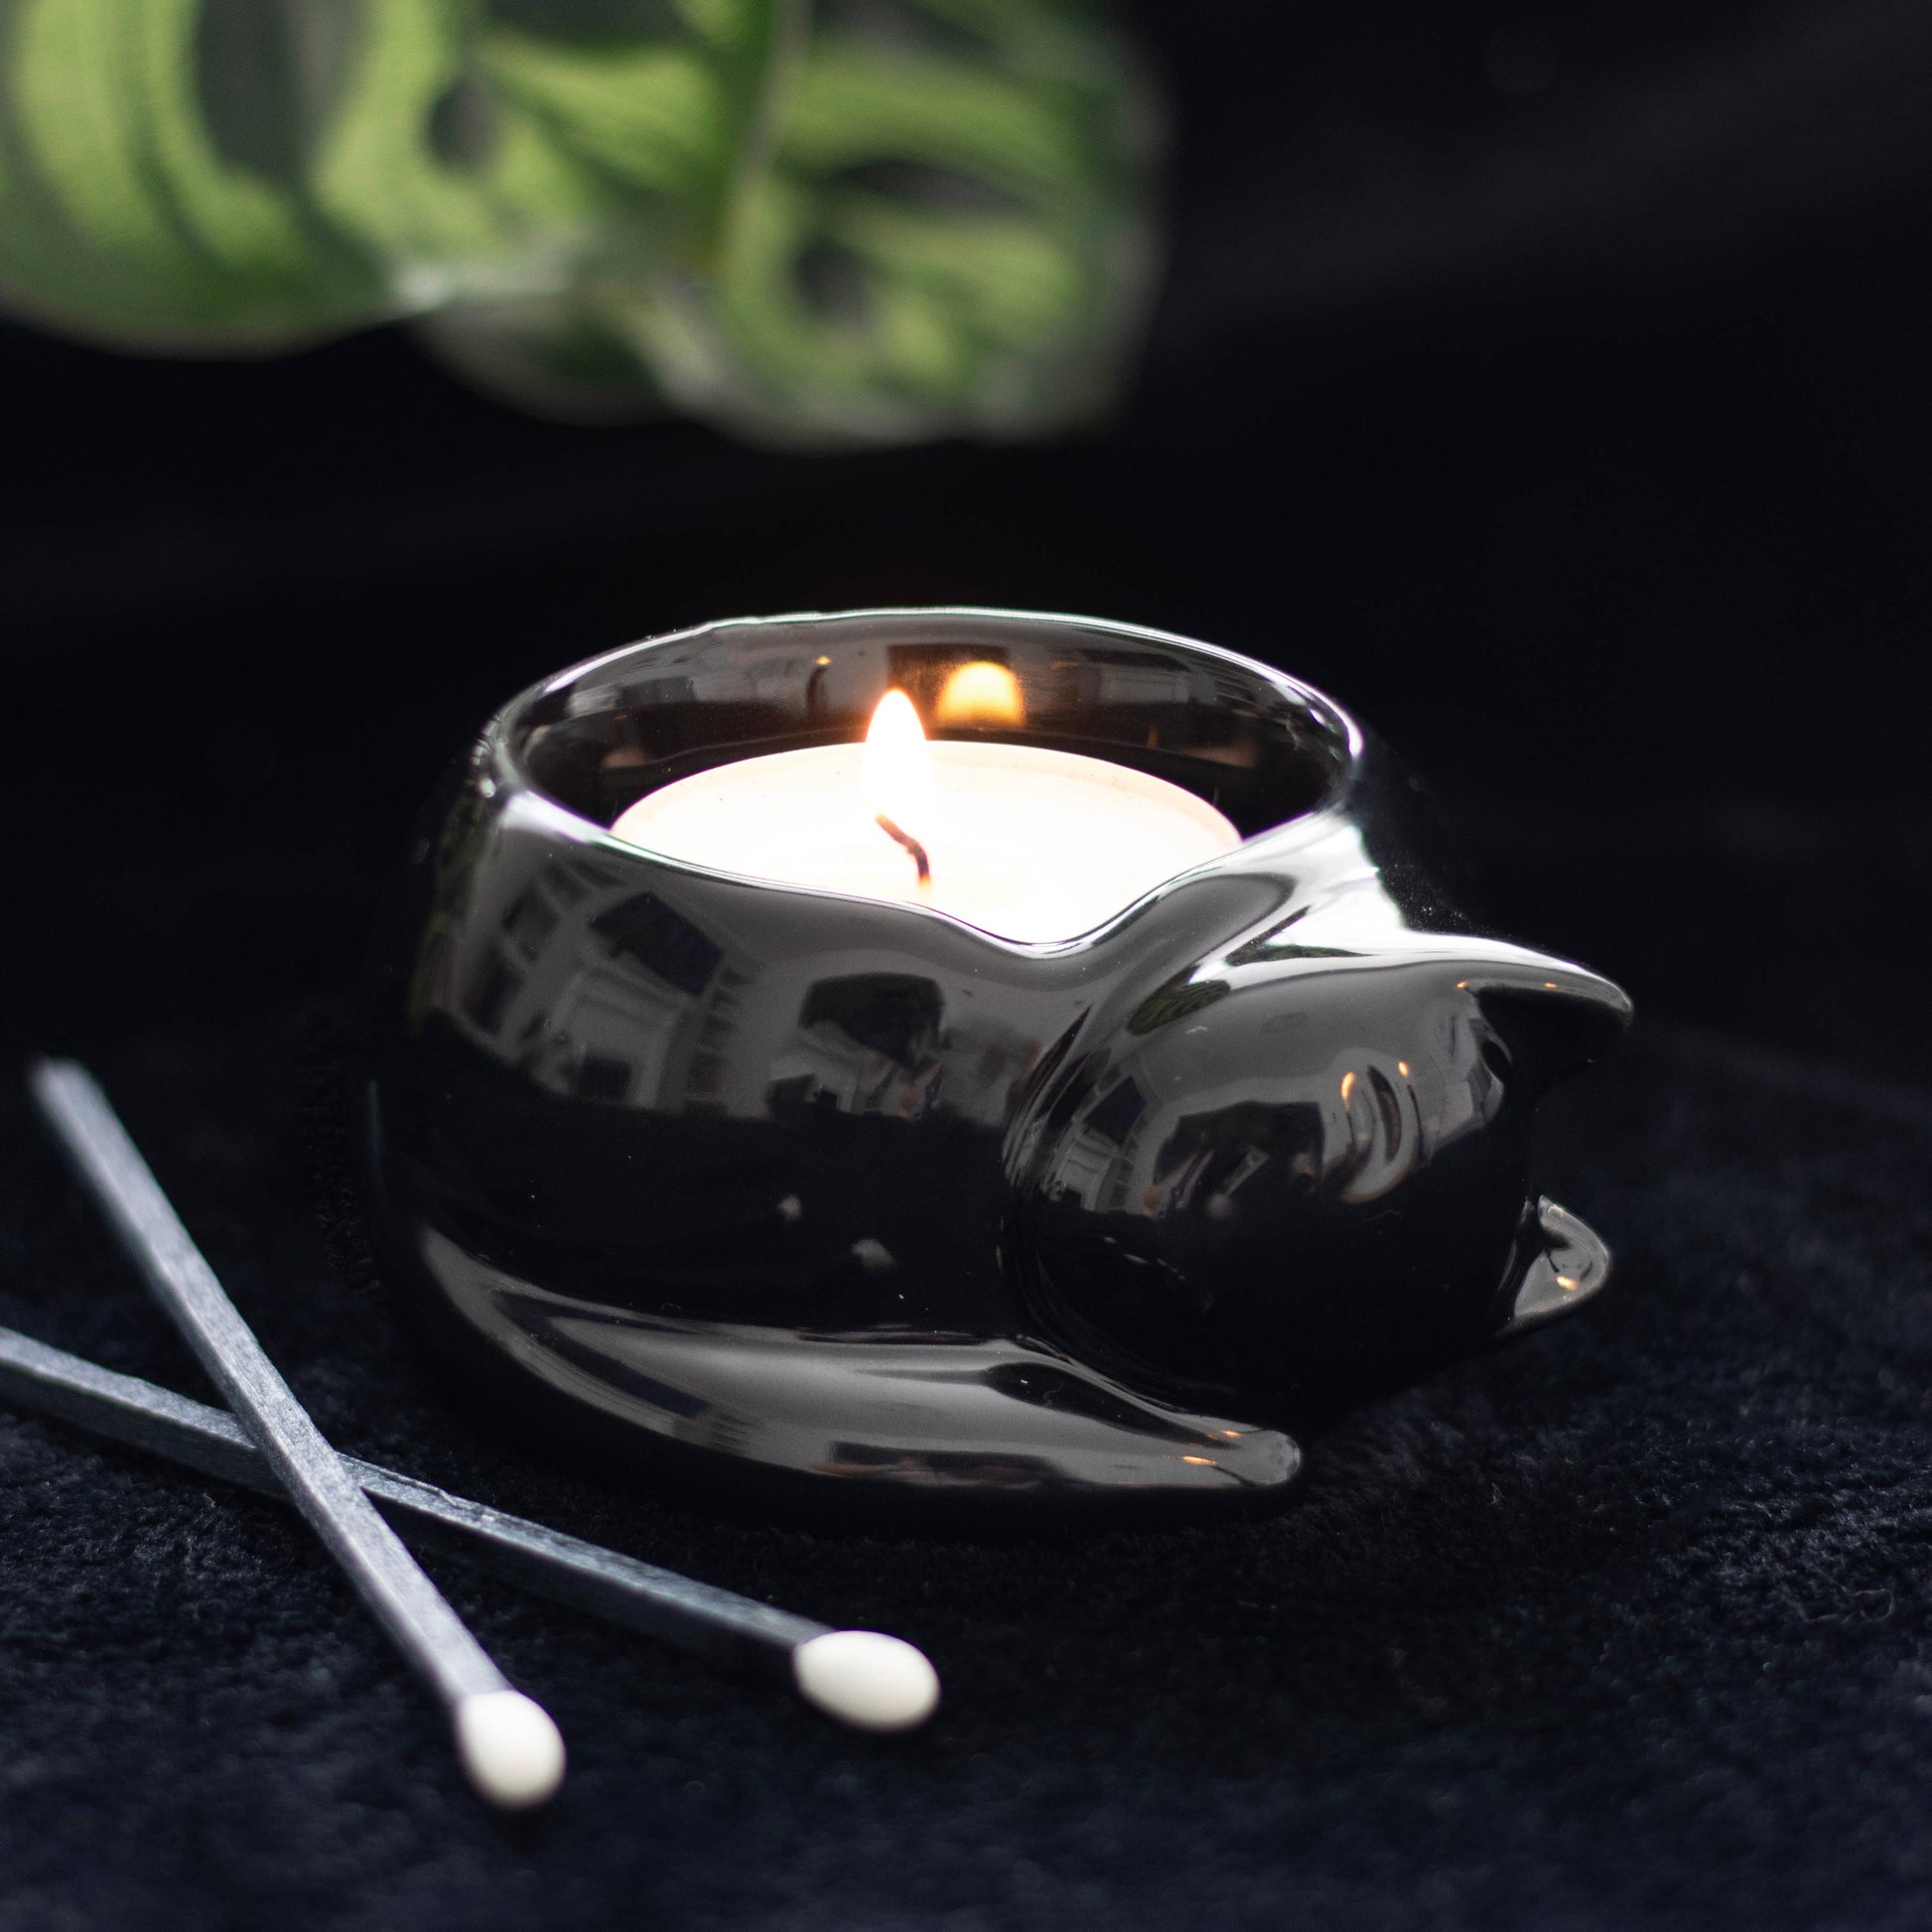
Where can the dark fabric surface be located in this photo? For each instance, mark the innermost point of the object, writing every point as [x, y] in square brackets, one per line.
[1625, 1624]
[1548, 384]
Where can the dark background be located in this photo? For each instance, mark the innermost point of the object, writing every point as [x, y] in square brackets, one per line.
[1549, 385]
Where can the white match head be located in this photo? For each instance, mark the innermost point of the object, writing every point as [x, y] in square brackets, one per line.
[512, 1751]
[866, 1680]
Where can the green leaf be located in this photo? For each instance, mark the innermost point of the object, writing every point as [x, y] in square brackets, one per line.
[950, 237]
[119, 216]
[452, 213]
[918, 218]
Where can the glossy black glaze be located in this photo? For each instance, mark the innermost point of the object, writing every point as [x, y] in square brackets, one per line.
[838, 1198]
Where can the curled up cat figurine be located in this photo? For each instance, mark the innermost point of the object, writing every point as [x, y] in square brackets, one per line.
[830, 1200]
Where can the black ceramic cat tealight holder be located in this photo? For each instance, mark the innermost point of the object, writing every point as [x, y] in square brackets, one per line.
[828, 1198]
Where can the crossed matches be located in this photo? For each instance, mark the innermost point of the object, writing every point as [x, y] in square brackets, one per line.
[507, 1744]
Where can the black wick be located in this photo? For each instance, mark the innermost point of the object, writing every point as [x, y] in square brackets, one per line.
[912, 845]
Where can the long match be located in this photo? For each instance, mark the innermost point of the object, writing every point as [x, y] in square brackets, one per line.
[506, 1741]
[863, 1678]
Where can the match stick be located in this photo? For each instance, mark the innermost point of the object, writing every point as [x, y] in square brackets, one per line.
[861, 1677]
[506, 1741]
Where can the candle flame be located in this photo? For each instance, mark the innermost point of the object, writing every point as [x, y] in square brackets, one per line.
[896, 772]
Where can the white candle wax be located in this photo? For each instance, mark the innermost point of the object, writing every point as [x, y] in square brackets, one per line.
[1030, 844]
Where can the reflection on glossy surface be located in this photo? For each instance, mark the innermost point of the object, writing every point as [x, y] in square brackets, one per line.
[845, 1198]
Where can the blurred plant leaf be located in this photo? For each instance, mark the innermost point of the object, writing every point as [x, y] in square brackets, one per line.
[950, 233]
[122, 218]
[896, 219]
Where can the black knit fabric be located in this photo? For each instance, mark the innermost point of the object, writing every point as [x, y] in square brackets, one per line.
[1625, 1624]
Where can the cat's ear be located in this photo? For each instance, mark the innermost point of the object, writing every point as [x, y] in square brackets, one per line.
[1554, 1018]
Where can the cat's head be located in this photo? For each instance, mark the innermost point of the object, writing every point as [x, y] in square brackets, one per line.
[1298, 1172]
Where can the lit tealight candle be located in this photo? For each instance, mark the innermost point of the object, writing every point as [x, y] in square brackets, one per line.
[1030, 844]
